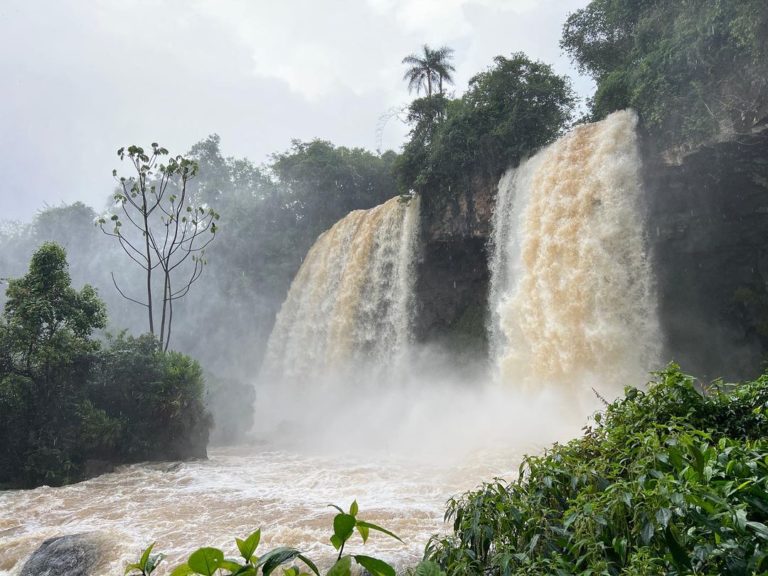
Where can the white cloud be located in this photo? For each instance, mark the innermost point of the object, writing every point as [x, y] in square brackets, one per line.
[84, 77]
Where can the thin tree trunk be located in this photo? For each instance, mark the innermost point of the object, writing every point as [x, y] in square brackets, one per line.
[149, 264]
[170, 317]
[166, 298]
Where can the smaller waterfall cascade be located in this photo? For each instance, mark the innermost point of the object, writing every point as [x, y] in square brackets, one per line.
[352, 299]
[572, 293]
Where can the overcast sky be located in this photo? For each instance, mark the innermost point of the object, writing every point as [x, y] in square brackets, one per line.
[80, 78]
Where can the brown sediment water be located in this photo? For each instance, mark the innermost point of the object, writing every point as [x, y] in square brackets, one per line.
[572, 293]
[182, 506]
[352, 297]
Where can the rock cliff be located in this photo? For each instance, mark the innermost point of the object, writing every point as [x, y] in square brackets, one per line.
[708, 233]
[452, 275]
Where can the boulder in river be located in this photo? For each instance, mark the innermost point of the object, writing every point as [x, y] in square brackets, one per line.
[71, 555]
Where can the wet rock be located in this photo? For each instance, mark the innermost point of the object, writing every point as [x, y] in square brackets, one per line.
[708, 227]
[452, 275]
[95, 468]
[71, 555]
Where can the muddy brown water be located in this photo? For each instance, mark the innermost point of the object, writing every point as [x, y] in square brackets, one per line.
[182, 506]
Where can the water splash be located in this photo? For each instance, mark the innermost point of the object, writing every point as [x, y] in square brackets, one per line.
[572, 296]
[351, 300]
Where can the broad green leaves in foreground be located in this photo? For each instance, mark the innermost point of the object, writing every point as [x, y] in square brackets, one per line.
[210, 561]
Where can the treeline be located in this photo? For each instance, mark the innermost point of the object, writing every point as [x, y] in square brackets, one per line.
[507, 113]
[270, 216]
[67, 398]
[693, 69]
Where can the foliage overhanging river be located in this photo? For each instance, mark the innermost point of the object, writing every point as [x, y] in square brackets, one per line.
[365, 413]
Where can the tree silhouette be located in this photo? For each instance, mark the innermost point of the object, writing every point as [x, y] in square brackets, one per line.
[429, 68]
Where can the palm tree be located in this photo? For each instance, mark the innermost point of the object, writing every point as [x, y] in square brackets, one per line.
[430, 67]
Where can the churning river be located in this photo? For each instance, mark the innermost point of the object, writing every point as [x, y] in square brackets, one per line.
[183, 506]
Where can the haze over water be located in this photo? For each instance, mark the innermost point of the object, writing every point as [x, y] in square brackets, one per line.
[569, 275]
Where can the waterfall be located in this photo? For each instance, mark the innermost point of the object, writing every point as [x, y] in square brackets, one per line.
[572, 296]
[352, 300]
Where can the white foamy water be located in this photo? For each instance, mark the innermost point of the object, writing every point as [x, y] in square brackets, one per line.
[572, 292]
[183, 506]
[352, 299]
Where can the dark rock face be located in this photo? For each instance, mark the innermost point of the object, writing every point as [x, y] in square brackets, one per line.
[708, 234]
[452, 275]
[708, 228]
[73, 555]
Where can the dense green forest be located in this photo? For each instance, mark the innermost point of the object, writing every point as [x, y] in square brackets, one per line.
[694, 69]
[270, 216]
[67, 398]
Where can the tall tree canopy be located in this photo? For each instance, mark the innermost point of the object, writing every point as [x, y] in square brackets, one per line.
[45, 358]
[429, 68]
[693, 69]
[166, 232]
[508, 112]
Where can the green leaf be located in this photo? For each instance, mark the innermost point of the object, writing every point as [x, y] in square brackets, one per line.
[274, 558]
[342, 568]
[153, 562]
[375, 566]
[741, 519]
[353, 509]
[336, 541]
[428, 568]
[364, 532]
[131, 567]
[647, 533]
[663, 516]
[620, 547]
[343, 526]
[248, 546]
[760, 529]
[372, 526]
[309, 563]
[145, 554]
[230, 565]
[182, 570]
[205, 561]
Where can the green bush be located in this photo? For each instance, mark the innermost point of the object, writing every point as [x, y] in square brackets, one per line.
[156, 396]
[668, 481]
[65, 400]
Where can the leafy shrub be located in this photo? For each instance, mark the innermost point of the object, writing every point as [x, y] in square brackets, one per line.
[156, 396]
[64, 399]
[669, 481]
[210, 561]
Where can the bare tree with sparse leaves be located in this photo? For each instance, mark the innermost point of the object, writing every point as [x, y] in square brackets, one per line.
[168, 234]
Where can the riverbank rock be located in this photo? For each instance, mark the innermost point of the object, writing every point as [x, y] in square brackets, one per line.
[71, 555]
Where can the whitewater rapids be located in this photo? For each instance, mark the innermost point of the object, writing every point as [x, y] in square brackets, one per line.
[182, 506]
